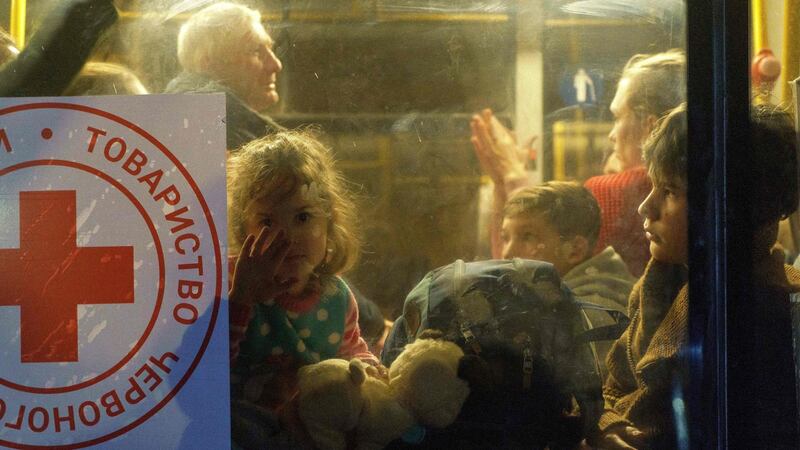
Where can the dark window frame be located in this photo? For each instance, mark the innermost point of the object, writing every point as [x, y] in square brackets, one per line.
[720, 241]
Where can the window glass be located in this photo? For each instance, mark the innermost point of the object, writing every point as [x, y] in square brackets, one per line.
[465, 130]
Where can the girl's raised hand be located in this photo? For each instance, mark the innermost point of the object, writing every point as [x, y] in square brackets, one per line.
[255, 276]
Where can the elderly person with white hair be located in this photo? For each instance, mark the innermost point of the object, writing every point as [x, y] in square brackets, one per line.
[225, 48]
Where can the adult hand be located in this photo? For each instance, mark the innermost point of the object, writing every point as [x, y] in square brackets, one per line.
[496, 148]
[623, 437]
[255, 276]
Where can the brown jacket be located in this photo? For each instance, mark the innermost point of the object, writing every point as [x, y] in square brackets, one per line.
[643, 362]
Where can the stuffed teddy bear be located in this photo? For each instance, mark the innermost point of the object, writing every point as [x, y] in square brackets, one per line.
[337, 397]
[424, 379]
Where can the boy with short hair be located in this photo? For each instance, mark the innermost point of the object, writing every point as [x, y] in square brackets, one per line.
[558, 222]
[638, 403]
[644, 362]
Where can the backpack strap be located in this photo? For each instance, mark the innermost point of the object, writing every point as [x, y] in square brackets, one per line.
[527, 366]
[608, 332]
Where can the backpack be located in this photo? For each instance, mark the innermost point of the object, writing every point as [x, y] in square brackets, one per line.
[534, 381]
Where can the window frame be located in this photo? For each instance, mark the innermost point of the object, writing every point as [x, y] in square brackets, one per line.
[718, 92]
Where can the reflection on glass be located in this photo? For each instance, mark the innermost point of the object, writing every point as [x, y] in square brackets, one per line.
[477, 130]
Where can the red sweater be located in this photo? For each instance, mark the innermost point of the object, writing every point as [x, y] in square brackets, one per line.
[619, 196]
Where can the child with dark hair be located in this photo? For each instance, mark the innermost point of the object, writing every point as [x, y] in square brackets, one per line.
[644, 362]
[767, 374]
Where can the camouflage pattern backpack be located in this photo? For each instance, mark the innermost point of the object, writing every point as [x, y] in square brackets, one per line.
[533, 378]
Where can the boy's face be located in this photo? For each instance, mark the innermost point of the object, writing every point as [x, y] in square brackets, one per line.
[534, 237]
[666, 222]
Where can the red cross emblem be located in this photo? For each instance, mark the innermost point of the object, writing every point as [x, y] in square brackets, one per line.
[49, 276]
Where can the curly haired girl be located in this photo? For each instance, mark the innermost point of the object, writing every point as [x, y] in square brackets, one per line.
[292, 222]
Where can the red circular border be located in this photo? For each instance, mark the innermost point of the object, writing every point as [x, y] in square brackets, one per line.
[159, 298]
[217, 260]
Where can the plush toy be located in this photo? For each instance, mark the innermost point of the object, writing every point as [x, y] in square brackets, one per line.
[424, 379]
[337, 397]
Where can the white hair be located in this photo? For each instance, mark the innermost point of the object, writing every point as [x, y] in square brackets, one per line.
[213, 32]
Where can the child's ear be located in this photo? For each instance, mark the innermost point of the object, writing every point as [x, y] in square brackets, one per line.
[358, 373]
[576, 249]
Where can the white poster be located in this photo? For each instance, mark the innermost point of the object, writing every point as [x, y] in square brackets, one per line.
[113, 280]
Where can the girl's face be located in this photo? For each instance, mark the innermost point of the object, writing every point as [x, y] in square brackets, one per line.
[665, 212]
[305, 223]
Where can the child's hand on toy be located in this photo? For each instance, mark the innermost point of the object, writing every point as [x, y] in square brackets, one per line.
[255, 276]
[623, 437]
[380, 372]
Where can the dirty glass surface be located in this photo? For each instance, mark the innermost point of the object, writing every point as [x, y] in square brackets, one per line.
[401, 92]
